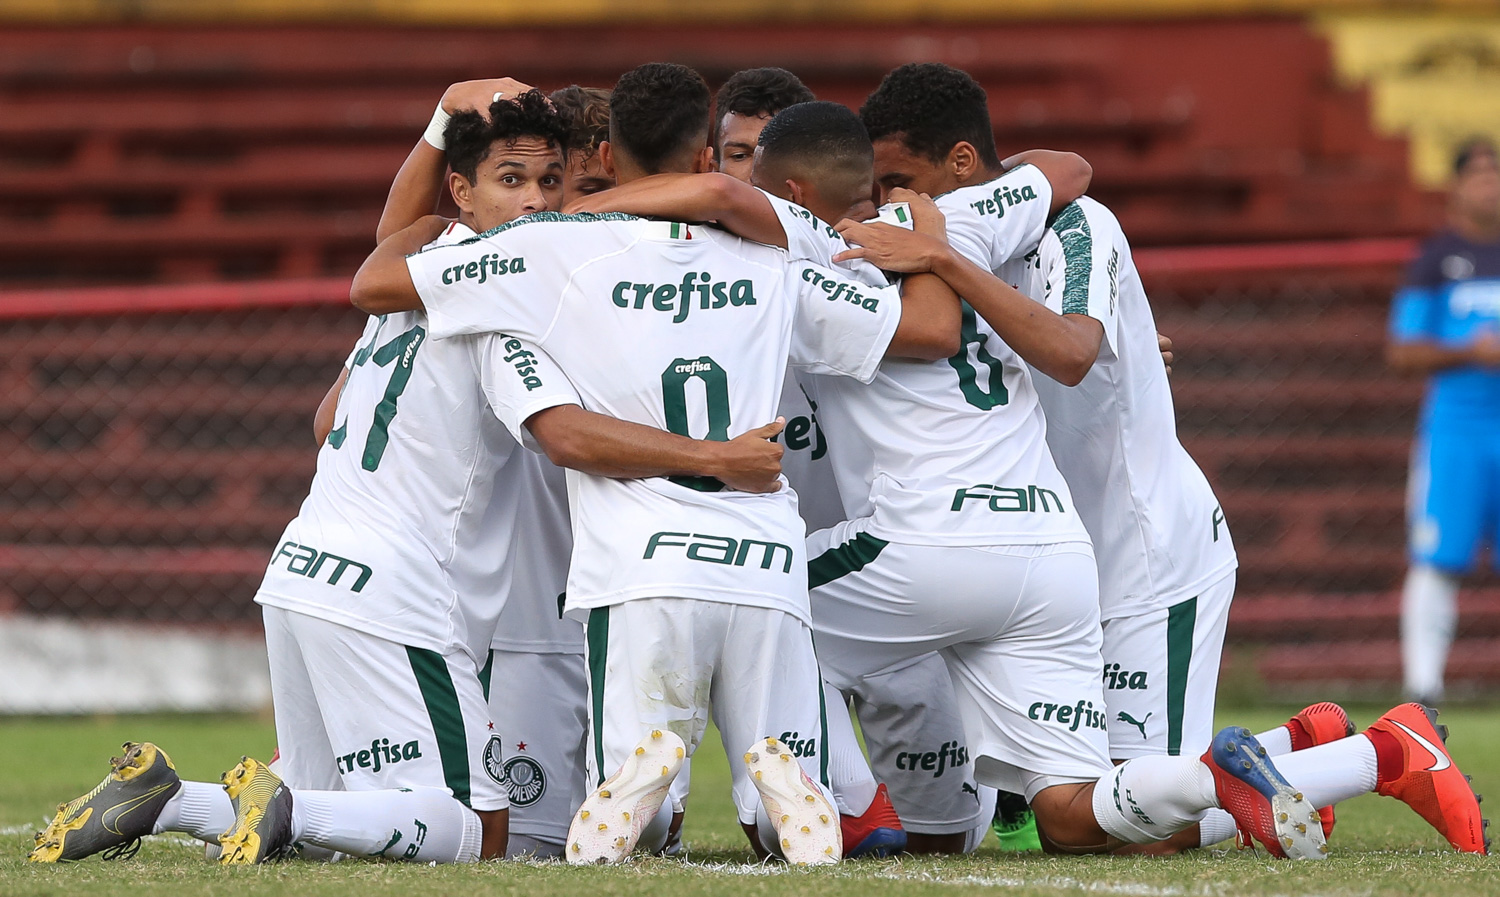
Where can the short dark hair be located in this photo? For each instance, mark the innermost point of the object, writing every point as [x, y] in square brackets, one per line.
[814, 131]
[931, 107]
[1472, 149]
[585, 113]
[762, 91]
[470, 136]
[658, 111]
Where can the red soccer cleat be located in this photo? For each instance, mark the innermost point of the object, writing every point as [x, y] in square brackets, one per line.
[1416, 769]
[1262, 802]
[1315, 725]
[875, 833]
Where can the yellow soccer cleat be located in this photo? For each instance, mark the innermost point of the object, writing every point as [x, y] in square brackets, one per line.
[112, 818]
[262, 829]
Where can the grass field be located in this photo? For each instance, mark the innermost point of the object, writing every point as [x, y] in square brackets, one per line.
[1380, 846]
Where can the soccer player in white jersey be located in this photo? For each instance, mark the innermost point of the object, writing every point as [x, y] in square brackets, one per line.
[664, 570]
[932, 133]
[814, 165]
[542, 763]
[540, 756]
[375, 635]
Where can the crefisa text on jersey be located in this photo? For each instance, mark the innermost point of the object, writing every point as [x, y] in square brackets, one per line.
[486, 266]
[679, 297]
[1002, 199]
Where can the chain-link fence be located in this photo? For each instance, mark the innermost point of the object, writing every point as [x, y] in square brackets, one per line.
[152, 460]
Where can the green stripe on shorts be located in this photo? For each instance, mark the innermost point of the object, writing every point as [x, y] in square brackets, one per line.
[447, 718]
[850, 557]
[598, 645]
[1180, 620]
[486, 672]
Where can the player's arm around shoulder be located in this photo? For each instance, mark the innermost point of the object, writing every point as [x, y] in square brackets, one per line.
[712, 196]
[1056, 345]
[384, 283]
[931, 317]
[1068, 173]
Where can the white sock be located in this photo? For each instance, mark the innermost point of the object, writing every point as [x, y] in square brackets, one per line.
[654, 836]
[848, 771]
[1429, 612]
[200, 809]
[1276, 741]
[987, 799]
[1151, 798]
[1331, 772]
[1216, 826]
[422, 825]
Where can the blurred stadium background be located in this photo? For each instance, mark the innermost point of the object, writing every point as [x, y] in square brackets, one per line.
[186, 188]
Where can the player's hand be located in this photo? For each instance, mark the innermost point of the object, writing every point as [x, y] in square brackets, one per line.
[889, 247]
[478, 95]
[926, 217]
[1164, 343]
[751, 462]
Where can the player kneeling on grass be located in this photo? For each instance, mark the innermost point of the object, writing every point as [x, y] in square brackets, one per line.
[1149, 798]
[695, 596]
[405, 777]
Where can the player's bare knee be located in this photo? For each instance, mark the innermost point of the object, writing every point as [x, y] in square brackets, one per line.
[1065, 820]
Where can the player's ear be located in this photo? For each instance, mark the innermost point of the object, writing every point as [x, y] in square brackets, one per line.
[462, 190]
[705, 161]
[607, 159]
[963, 160]
[797, 193]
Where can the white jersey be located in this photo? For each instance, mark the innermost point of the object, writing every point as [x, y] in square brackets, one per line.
[533, 620]
[806, 463]
[680, 328]
[1158, 531]
[954, 452]
[398, 536]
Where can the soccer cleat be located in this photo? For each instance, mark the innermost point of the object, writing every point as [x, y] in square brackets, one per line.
[115, 815]
[262, 829]
[806, 831]
[1014, 824]
[1414, 767]
[876, 832]
[1319, 724]
[1260, 800]
[610, 821]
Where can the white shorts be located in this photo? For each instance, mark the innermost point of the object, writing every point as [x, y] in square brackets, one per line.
[668, 663]
[540, 706]
[914, 733]
[1018, 627]
[360, 713]
[1161, 672]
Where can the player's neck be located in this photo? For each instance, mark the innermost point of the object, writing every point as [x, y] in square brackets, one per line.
[983, 175]
[467, 220]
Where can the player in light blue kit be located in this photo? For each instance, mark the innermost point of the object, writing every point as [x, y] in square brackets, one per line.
[1445, 323]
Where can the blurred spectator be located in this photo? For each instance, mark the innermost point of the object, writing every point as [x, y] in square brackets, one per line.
[1445, 325]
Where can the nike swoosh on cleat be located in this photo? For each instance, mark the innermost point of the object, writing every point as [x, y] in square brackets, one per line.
[1439, 756]
[118, 811]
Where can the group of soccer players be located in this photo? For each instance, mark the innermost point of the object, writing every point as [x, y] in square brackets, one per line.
[797, 410]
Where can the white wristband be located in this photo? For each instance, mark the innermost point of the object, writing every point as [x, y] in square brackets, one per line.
[434, 133]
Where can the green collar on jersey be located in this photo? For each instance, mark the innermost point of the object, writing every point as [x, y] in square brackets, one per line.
[552, 218]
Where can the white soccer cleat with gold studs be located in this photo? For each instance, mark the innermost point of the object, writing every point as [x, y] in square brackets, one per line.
[807, 825]
[609, 823]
